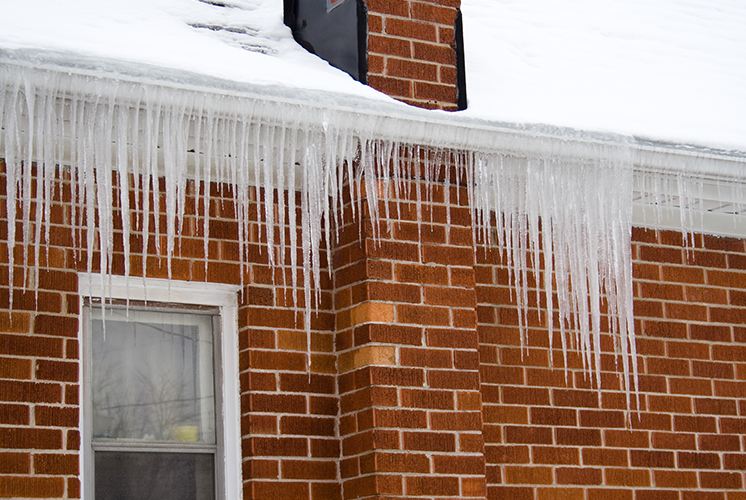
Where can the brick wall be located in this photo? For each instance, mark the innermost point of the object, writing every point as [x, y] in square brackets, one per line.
[550, 438]
[288, 423]
[418, 385]
[410, 420]
[411, 54]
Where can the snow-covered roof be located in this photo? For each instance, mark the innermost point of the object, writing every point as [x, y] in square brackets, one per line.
[242, 41]
[671, 70]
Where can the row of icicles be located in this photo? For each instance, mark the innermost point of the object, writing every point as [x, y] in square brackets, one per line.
[569, 215]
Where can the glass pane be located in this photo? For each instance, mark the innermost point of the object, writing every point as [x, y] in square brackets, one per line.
[156, 476]
[153, 376]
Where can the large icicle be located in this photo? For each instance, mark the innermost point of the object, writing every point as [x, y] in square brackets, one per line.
[566, 205]
[577, 215]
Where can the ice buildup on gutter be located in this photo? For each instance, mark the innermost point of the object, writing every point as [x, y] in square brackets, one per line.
[560, 208]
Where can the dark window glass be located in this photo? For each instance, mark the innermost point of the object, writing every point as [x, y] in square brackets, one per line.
[154, 476]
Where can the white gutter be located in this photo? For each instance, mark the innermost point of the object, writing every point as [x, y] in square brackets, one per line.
[385, 119]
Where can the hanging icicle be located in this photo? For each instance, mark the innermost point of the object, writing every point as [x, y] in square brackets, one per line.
[565, 206]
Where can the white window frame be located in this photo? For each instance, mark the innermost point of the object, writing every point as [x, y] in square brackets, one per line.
[217, 295]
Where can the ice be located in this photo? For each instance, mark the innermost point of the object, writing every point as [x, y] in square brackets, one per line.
[564, 205]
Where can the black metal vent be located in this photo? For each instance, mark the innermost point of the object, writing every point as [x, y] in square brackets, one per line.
[335, 30]
[462, 102]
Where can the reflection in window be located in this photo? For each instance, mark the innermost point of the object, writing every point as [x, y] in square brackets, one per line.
[153, 404]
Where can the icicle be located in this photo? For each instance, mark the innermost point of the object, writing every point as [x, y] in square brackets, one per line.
[563, 206]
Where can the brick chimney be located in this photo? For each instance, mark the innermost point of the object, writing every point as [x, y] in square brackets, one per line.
[411, 50]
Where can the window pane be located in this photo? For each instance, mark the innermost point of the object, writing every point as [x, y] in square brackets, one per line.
[156, 476]
[153, 376]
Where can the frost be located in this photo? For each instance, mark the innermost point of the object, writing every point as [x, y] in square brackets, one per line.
[565, 208]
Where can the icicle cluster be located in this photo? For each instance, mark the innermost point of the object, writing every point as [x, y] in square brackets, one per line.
[568, 222]
[566, 208]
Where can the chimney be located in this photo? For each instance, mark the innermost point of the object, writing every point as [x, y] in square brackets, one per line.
[411, 50]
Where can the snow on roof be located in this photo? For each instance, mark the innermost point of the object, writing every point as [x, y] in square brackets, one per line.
[673, 70]
[234, 40]
[670, 70]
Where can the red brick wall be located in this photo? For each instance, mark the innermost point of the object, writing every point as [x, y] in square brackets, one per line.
[411, 54]
[408, 345]
[546, 438]
[410, 420]
[288, 423]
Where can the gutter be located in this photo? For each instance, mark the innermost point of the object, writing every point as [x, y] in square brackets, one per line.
[385, 119]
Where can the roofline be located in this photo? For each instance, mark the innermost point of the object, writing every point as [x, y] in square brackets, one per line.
[386, 118]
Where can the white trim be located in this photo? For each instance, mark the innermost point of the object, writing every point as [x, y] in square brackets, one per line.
[383, 118]
[189, 293]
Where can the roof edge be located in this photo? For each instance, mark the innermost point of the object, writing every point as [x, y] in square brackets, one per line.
[389, 119]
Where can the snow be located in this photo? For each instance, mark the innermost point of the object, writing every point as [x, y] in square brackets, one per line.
[160, 33]
[670, 70]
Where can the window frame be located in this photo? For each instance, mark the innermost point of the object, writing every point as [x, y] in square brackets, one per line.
[217, 299]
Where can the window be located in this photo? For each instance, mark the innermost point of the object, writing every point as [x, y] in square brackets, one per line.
[160, 393]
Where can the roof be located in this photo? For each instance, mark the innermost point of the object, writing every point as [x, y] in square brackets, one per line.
[670, 71]
[241, 41]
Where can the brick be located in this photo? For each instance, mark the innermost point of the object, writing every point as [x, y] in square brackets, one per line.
[54, 416]
[402, 462]
[309, 469]
[429, 441]
[400, 418]
[399, 87]
[652, 459]
[14, 368]
[717, 442]
[528, 475]
[277, 490]
[458, 465]
[675, 479]
[605, 456]
[422, 315]
[12, 414]
[578, 475]
[276, 447]
[278, 403]
[372, 312]
[40, 439]
[410, 29]
[720, 480]
[22, 345]
[309, 426]
[689, 460]
[431, 358]
[456, 421]
[390, 46]
[31, 487]
[576, 437]
[627, 477]
[56, 464]
[555, 455]
[418, 486]
[661, 254]
[30, 392]
[531, 435]
[366, 356]
[61, 371]
[15, 463]
[388, 334]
